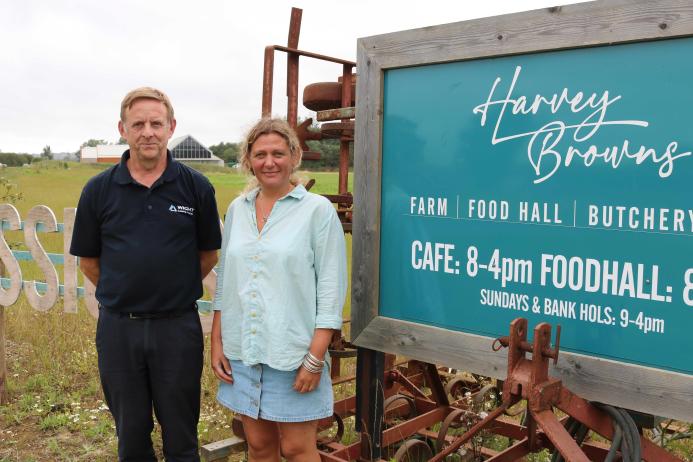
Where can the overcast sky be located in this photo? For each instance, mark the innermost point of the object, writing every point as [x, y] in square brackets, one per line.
[65, 65]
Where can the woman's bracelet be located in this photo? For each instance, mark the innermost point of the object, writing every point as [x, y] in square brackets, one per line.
[312, 364]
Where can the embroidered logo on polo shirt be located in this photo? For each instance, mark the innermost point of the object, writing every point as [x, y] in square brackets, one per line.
[181, 209]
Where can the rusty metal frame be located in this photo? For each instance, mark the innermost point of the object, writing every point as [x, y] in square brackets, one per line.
[292, 72]
[528, 379]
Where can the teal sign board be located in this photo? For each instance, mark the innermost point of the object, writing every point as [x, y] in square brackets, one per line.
[555, 186]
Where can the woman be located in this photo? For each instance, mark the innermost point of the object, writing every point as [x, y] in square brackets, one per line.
[281, 285]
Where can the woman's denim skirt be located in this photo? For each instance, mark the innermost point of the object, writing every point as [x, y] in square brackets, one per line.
[259, 391]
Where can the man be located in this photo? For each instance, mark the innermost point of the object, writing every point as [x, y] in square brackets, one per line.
[147, 232]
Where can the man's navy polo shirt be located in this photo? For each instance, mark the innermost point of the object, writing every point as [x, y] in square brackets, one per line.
[147, 239]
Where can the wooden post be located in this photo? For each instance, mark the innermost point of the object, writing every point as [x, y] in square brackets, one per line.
[369, 402]
[3, 366]
[3, 361]
[69, 262]
[292, 68]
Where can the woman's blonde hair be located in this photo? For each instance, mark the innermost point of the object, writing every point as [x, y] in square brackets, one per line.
[265, 126]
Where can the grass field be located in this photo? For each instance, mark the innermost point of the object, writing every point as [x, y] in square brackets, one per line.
[55, 410]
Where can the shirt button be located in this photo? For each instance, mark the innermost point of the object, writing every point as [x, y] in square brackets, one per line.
[252, 331]
[149, 207]
[254, 275]
[253, 295]
[252, 314]
[255, 257]
[256, 384]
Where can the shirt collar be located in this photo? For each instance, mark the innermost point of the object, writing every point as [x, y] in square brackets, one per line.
[297, 193]
[122, 173]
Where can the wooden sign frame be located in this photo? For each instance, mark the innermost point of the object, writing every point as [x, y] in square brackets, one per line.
[583, 25]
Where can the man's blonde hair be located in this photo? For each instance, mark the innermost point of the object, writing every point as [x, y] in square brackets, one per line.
[145, 93]
[265, 126]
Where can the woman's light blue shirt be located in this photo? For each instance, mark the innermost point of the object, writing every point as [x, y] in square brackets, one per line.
[276, 287]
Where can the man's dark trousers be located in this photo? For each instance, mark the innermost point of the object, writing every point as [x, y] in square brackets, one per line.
[145, 362]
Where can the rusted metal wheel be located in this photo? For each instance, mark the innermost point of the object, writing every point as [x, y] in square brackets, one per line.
[487, 397]
[456, 419]
[392, 403]
[338, 435]
[322, 96]
[413, 450]
[458, 386]
[453, 420]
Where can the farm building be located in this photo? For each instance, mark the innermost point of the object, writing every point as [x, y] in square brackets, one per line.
[184, 148]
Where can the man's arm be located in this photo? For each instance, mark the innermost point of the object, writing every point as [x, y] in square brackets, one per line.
[208, 258]
[90, 268]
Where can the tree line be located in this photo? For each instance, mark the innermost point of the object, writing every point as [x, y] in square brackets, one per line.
[14, 159]
[328, 149]
[17, 159]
